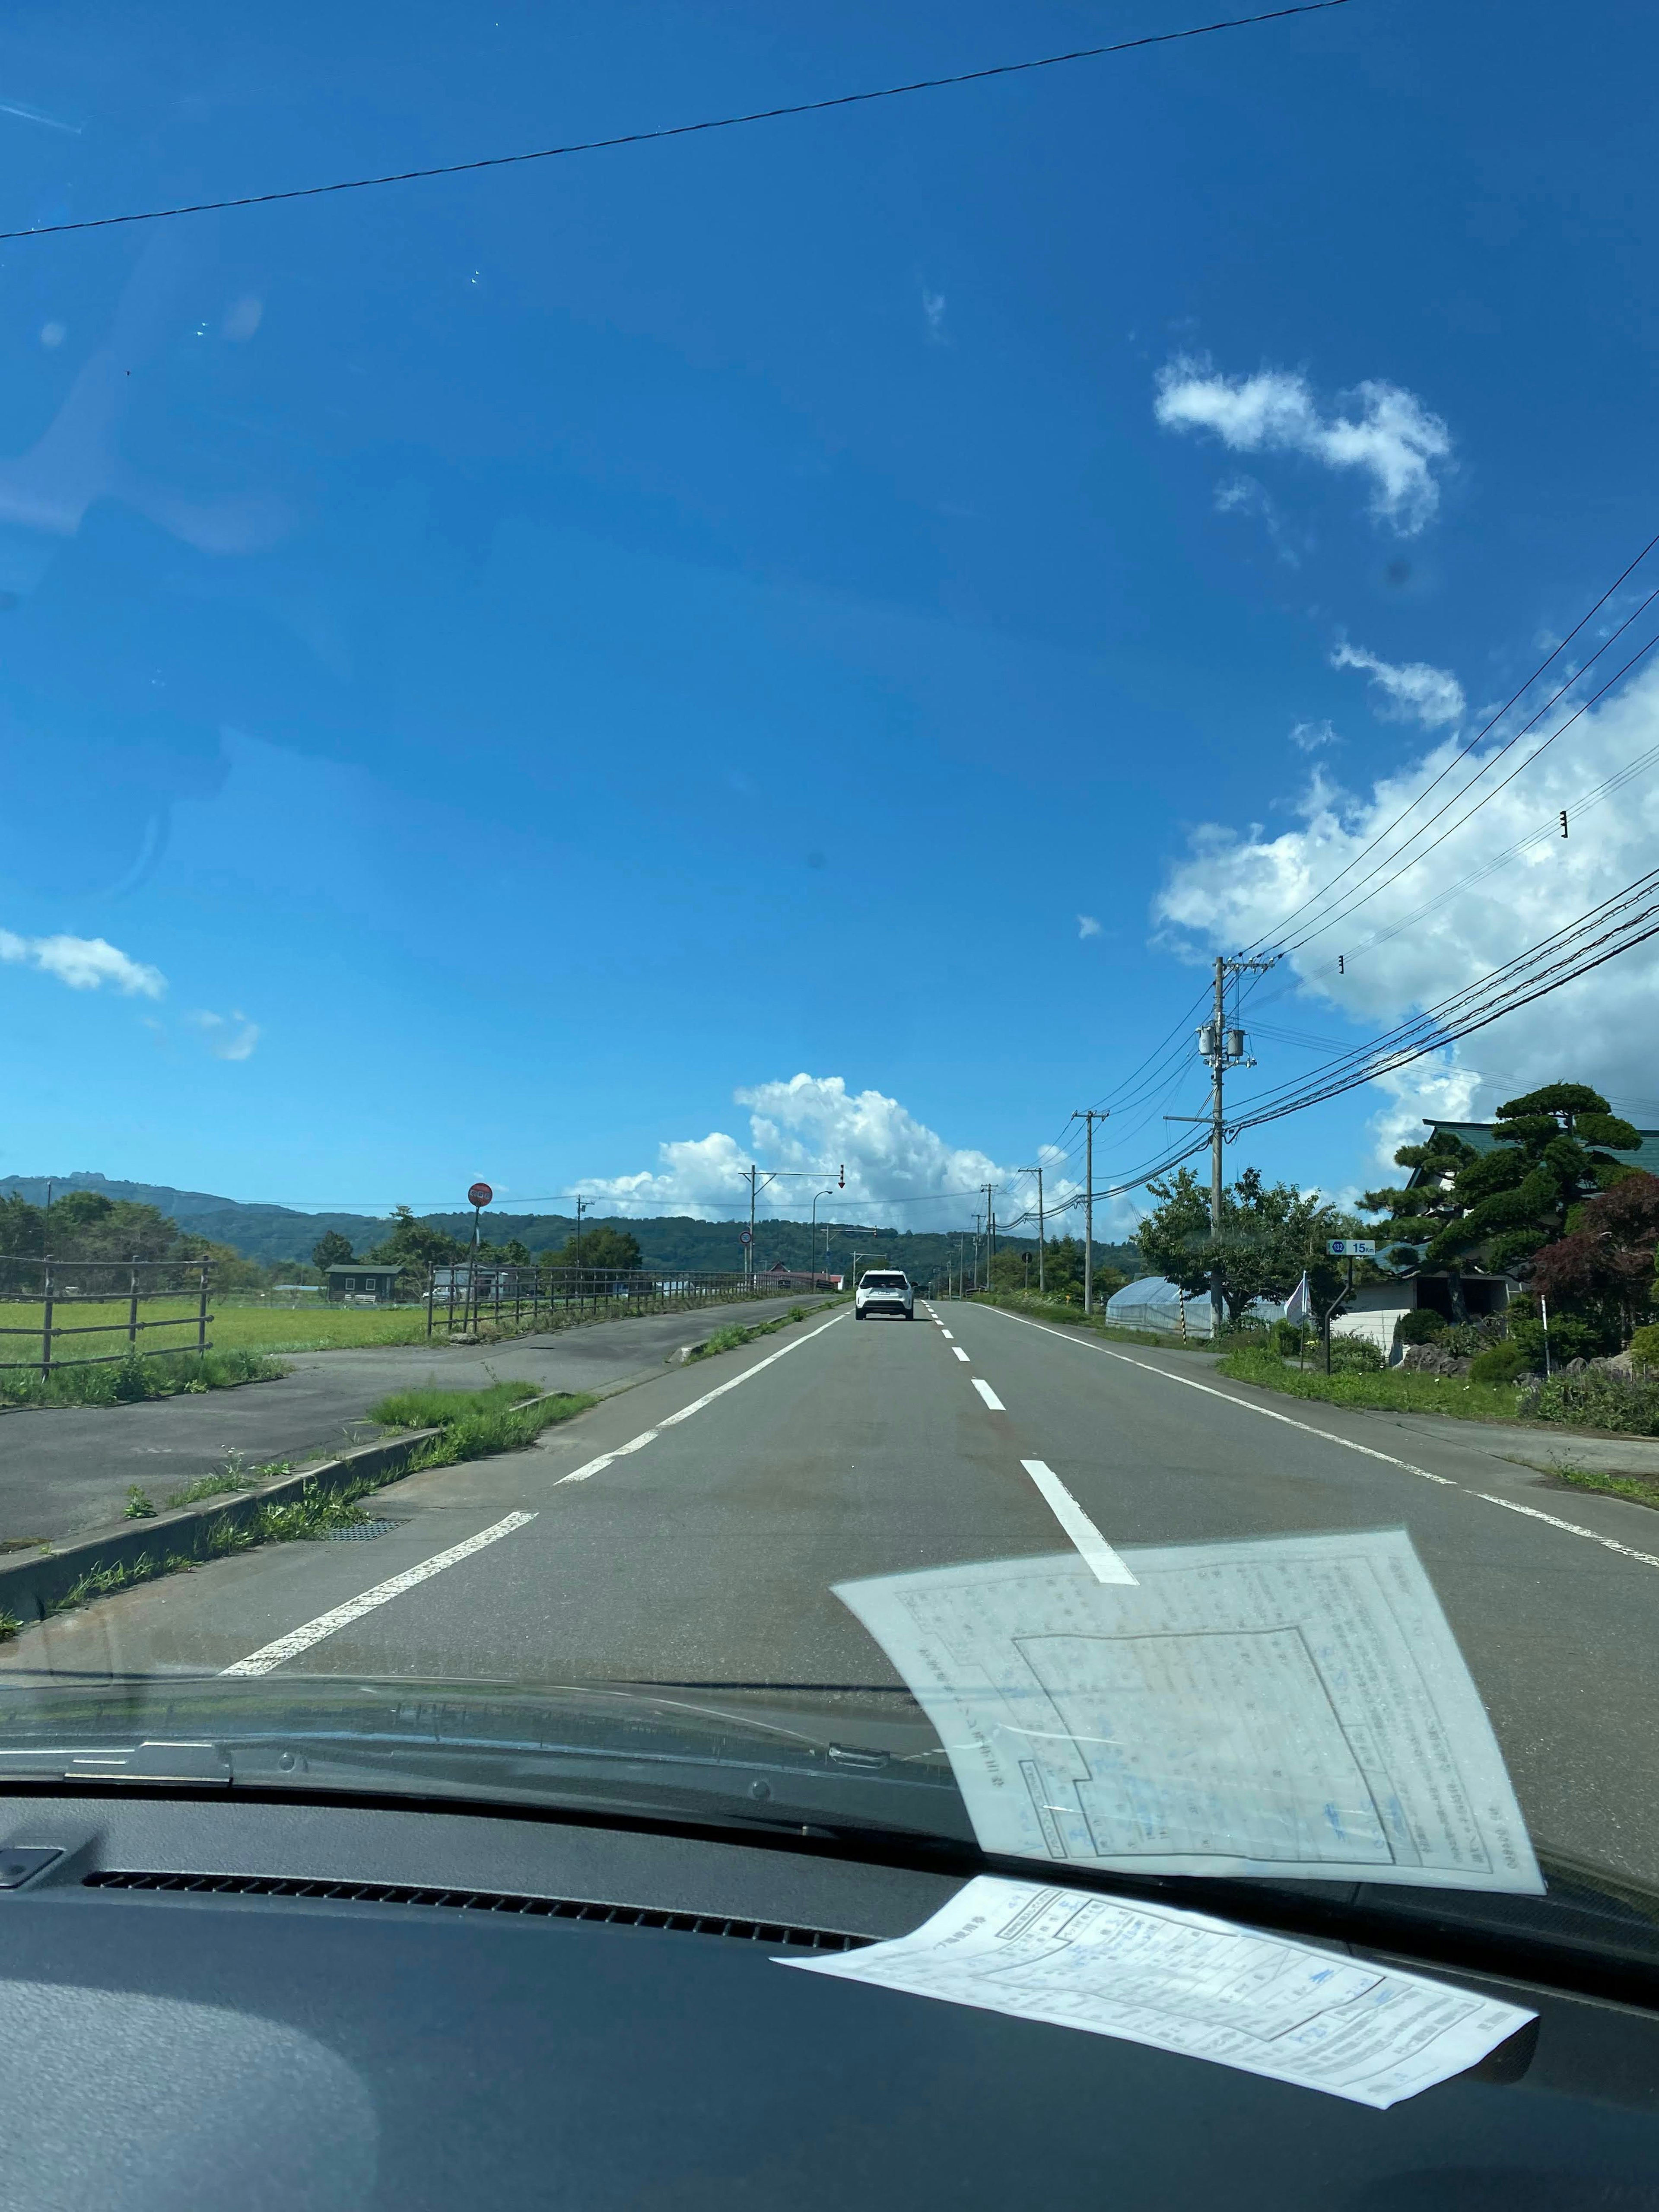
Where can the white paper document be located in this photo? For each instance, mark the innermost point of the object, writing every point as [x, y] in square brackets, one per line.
[1184, 1982]
[1294, 1707]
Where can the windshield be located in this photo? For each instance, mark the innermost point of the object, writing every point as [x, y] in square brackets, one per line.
[1034, 698]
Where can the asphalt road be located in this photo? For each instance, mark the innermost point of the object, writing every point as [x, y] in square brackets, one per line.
[705, 1553]
[66, 1469]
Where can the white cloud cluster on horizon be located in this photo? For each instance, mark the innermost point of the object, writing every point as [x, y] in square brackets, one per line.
[1394, 439]
[1413, 690]
[812, 1127]
[84, 963]
[1429, 932]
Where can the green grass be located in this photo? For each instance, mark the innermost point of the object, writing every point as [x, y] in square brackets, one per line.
[736, 1334]
[1391, 1392]
[235, 1475]
[1639, 1490]
[476, 1423]
[9, 1625]
[126, 1381]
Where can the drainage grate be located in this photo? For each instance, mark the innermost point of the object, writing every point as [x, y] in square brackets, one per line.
[479, 1900]
[362, 1532]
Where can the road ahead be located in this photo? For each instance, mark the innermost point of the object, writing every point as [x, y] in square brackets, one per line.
[690, 1531]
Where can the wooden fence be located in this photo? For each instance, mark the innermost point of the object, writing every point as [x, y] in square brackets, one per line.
[57, 1287]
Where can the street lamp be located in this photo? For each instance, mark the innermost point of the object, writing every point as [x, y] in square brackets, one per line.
[812, 1249]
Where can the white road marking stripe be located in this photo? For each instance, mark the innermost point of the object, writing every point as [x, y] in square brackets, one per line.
[958, 1351]
[948, 1339]
[1572, 1527]
[989, 1397]
[1103, 1559]
[671, 1420]
[1487, 1498]
[342, 1616]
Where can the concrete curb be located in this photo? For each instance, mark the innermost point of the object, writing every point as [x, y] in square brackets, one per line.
[31, 1586]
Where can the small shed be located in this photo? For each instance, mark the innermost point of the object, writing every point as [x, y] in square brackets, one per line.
[362, 1279]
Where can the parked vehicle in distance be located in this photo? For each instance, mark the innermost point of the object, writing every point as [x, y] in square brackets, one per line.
[884, 1293]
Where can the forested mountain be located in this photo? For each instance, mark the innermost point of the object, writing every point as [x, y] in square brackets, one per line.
[274, 1234]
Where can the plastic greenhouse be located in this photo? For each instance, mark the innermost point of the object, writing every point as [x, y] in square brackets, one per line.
[1155, 1303]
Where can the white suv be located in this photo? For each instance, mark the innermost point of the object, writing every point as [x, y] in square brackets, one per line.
[889, 1294]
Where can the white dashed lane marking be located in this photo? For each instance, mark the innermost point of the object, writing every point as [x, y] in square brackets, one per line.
[958, 1351]
[1103, 1561]
[989, 1397]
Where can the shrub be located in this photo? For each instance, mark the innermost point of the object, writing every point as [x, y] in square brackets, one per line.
[1571, 1338]
[1644, 1349]
[1595, 1398]
[1287, 1339]
[1500, 1363]
[1421, 1325]
[1355, 1355]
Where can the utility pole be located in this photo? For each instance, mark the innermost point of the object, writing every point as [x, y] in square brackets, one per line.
[1221, 1048]
[579, 1203]
[1089, 1115]
[990, 1190]
[1038, 1172]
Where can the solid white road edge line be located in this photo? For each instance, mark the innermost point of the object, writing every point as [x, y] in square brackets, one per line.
[342, 1616]
[1245, 1404]
[989, 1397]
[1572, 1527]
[671, 1420]
[1487, 1498]
[1102, 1561]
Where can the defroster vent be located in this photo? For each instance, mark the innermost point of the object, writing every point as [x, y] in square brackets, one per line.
[477, 1901]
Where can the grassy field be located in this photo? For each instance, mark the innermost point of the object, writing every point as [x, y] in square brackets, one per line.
[252, 1325]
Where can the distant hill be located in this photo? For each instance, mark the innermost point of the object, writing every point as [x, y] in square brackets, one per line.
[271, 1234]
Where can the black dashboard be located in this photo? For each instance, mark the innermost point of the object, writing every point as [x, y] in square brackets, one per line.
[209, 2002]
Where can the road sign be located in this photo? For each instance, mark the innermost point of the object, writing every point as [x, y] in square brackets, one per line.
[1349, 1248]
[480, 1194]
[746, 1236]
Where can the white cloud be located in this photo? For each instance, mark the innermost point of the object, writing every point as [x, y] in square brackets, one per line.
[1244, 496]
[85, 963]
[815, 1123]
[231, 1036]
[53, 335]
[1087, 925]
[932, 306]
[1393, 439]
[1431, 932]
[1411, 690]
[1309, 737]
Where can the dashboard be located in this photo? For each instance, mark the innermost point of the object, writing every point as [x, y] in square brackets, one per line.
[209, 2002]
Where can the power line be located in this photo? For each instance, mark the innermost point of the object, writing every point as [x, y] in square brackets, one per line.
[1319, 929]
[674, 130]
[1314, 897]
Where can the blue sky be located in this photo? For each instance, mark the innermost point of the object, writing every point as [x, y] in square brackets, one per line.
[510, 663]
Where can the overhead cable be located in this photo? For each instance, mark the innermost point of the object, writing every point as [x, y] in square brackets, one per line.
[671, 129]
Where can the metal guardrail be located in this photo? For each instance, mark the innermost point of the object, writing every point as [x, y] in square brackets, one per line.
[60, 1285]
[457, 1298]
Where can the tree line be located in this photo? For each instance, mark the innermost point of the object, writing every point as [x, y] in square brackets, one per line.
[102, 1236]
[1550, 1204]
